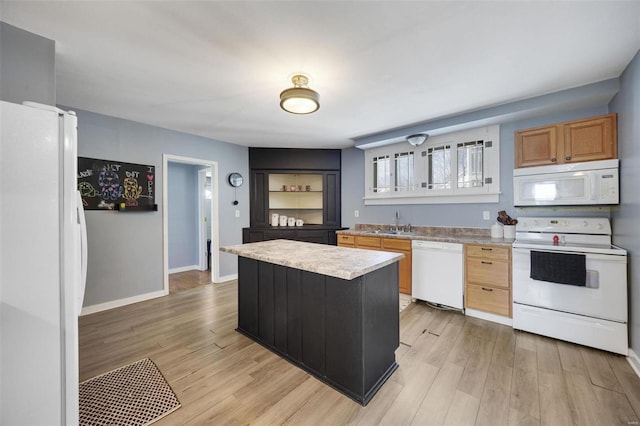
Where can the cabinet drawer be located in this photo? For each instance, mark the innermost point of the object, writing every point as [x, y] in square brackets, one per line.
[365, 242]
[395, 243]
[346, 240]
[488, 299]
[488, 252]
[489, 272]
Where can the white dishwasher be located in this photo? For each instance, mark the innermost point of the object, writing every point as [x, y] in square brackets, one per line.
[437, 273]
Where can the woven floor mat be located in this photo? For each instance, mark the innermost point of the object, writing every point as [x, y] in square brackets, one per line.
[136, 394]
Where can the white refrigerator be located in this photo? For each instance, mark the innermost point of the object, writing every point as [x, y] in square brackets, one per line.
[42, 265]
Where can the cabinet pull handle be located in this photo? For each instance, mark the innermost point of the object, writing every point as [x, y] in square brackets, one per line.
[567, 158]
[486, 249]
[486, 289]
[487, 263]
[554, 159]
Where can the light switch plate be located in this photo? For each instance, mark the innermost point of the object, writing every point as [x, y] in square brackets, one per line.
[237, 213]
[356, 213]
[485, 215]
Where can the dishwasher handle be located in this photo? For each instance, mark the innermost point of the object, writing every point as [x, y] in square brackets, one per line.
[436, 245]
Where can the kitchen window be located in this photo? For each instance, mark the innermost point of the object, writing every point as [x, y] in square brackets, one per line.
[403, 171]
[461, 167]
[381, 174]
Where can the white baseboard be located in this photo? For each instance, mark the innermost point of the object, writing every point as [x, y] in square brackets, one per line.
[86, 310]
[634, 361]
[227, 278]
[184, 269]
[489, 317]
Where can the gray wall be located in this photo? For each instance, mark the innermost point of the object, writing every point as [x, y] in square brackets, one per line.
[626, 220]
[465, 215]
[125, 249]
[27, 66]
[182, 203]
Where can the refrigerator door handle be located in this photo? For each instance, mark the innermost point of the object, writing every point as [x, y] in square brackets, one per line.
[83, 251]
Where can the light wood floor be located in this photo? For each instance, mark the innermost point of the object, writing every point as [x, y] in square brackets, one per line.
[187, 280]
[454, 370]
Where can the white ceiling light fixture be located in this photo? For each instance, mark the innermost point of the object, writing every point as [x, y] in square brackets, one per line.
[417, 138]
[299, 99]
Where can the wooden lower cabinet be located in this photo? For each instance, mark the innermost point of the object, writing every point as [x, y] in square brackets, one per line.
[488, 279]
[346, 240]
[488, 299]
[404, 265]
[395, 245]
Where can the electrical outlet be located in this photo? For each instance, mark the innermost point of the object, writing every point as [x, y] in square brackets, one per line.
[237, 213]
[485, 215]
[356, 213]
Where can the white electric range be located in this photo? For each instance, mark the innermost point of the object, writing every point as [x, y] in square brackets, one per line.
[570, 282]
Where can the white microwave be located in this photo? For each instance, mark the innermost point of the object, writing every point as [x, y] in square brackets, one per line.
[588, 183]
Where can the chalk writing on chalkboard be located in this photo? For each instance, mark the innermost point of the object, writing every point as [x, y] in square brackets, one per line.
[114, 185]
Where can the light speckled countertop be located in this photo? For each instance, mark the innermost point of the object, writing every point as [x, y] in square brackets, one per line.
[339, 262]
[431, 233]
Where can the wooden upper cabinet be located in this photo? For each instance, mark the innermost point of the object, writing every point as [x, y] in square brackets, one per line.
[591, 139]
[536, 147]
[571, 142]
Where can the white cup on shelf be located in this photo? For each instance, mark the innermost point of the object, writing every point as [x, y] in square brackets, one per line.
[283, 220]
[292, 221]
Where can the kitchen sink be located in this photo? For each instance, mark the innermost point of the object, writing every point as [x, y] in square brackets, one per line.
[389, 232]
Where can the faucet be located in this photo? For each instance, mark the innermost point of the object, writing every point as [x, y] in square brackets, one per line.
[397, 220]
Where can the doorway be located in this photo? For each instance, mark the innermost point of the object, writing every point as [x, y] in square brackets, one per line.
[210, 168]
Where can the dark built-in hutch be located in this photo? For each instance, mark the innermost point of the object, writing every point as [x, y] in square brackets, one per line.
[303, 184]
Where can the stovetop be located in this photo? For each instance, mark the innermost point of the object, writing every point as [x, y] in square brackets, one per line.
[582, 248]
[587, 235]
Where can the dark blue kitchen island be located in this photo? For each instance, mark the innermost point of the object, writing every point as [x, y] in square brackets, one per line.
[329, 310]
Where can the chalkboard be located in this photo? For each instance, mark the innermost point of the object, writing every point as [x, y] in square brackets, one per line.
[115, 185]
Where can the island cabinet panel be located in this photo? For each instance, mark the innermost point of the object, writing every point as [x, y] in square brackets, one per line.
[381, 324]
[293, 289]
[344, 348]
[344, 332]
[280, 307]
[266, 305]
[248, 296]
[313, 320]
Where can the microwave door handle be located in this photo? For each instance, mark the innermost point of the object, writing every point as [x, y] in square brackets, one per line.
[593, 179]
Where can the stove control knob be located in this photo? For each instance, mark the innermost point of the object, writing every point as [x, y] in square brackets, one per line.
[556, 239]
[585, 224]
[600, 226]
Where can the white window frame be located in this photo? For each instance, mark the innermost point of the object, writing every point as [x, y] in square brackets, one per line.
[489, 192]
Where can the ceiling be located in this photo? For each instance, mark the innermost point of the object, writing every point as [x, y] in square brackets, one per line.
[216, 69]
